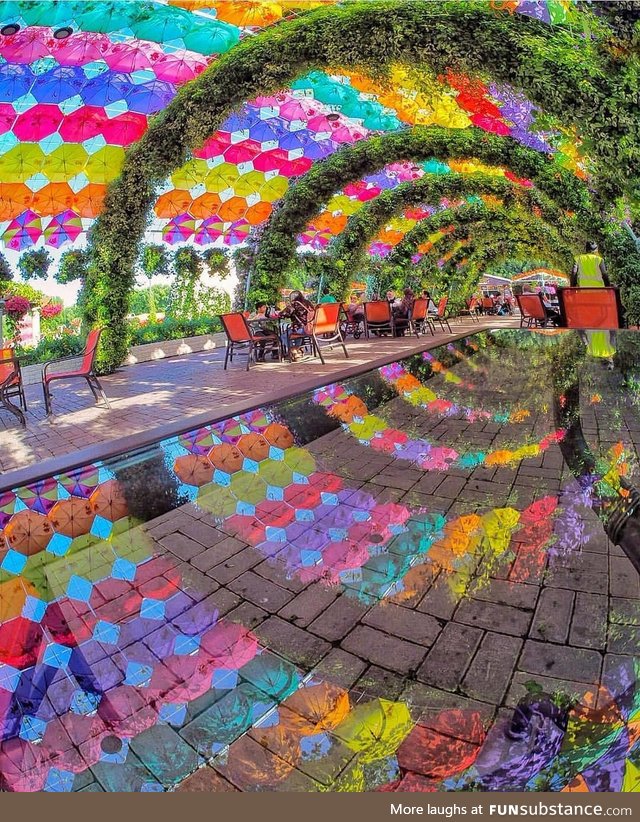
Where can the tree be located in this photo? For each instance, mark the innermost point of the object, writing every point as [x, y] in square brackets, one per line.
[34, 265]
[217, 263]
[6, 274]
[187, 266]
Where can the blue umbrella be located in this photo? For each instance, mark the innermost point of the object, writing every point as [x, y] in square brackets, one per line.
[15, 81]
[59, 84]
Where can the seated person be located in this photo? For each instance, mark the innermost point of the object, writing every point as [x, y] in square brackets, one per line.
[301, 311]
[402, 311]
[354, 309]
[264, 329]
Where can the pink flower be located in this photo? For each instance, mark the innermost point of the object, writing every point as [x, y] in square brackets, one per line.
[17, 307]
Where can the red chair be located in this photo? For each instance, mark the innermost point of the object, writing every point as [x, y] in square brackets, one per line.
[326, 328]
[86, 371]
[532, 311]
[488, 305]
[419, 318]
[378, 318]
[11, 384]
[590, 308]
[240, 336]
[471, 308]
[441, 315]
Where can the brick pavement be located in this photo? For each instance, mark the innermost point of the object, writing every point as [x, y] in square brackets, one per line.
[147, 395]
[471, 637]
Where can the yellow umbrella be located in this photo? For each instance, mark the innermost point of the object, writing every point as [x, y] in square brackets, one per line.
[221, 177]
[65, 162]
[375, 729]
[190, 174]
[20, 163]
[249, 183]
[105, 164]
[274, 189]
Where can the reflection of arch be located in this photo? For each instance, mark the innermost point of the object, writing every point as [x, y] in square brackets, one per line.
[450, 35]
[364, 225]
[553, 272]
[489, 220]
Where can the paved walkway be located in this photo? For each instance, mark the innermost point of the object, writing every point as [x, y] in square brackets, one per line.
[151, 394]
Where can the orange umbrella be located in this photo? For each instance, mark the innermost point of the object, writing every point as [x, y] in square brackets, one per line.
[247, 13]
[233, 209]
[317, 708]
[279, 435]
[193, 469]
[72, 517]
[53, 198]
[258, 213]
[28, 532]
[88, 201]
[205, 206]
[108, 501]
[14, 199]
[226, 458]
[13, 595]
[254, 446]
[173, 203]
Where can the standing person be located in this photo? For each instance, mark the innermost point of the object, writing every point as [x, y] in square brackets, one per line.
[590, 271]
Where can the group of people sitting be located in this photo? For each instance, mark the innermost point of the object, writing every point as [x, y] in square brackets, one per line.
[401, 308]
[299, 310]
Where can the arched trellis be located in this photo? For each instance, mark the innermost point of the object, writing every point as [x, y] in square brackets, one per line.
[350, 246]
[471, 38]
[488, 234]
[473, 212]
[350, 163]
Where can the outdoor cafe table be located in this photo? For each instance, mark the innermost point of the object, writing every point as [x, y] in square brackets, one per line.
[282, 324]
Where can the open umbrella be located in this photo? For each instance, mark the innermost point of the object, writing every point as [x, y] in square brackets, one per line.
[271, 674]
[317, 708]
[210, 230]
[230, 644]
[108, 501]
[28, 532]
[193, 469]
[72, 517]
[237, 233]
[179, 229]
[226, 457]
[375, 729]
[63, 228]
[23, 231]
[39, 496]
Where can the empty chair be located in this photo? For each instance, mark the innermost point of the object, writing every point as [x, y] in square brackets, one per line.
[11, 384]
[378, 318]
[241, 337]
[488, 305]
[441, 314]
[326, 328]
[532, 311]
[419, 319]
[471, 308]
[85, 371]
[590, 308]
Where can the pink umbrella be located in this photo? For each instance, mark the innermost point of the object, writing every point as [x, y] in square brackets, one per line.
[243, 152]
[179, 68]
[179, 229]
[23, 231]
[209, 231]
[63, 228]
[292, 110]
[237, 233]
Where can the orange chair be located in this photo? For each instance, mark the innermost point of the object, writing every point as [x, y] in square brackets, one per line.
[532, 311]
[441, 315]
[378, 318]
[11, 384]
[471, 308]
[86, 371]
[590, 308]
[326, 328]
[419, 318]
[488, 305]
[240, 336]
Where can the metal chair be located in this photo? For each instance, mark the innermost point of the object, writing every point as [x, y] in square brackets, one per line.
[240, 336]
[86, 371]
[11, 384]
[326, 328]
[533, 312]
[378, 318]
[419, 318]
[590, 308]
[441, 315]
[471, 309]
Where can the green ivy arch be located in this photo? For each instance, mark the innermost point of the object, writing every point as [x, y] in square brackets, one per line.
[590, 91]
[350, 246]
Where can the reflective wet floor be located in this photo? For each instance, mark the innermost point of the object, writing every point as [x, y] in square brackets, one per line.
[399, 582]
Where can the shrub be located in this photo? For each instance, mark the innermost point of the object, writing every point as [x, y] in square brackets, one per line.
[49, 349]
[172, 329]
